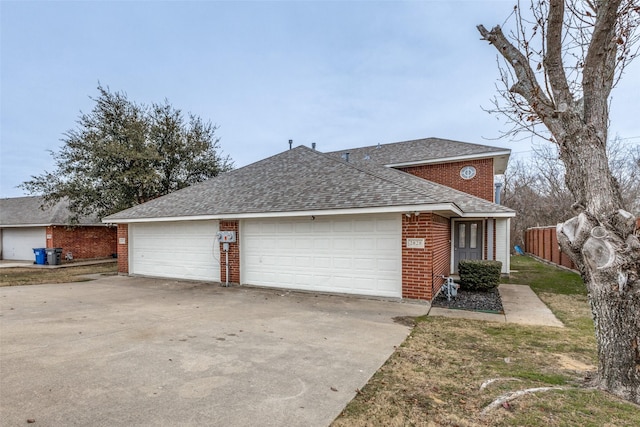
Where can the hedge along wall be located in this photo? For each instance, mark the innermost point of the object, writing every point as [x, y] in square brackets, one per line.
[542, 242]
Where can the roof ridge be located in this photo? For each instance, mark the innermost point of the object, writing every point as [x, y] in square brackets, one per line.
[431, 138]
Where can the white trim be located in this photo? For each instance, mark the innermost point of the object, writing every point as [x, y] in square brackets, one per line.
[488, 215]
[451, 207]
[503, 244]
[103, 224]
[490, 241]
[451, 159]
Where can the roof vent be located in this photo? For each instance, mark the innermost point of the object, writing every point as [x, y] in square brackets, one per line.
[378, 147]
[313, 145]
[345, 157]
[290, 143]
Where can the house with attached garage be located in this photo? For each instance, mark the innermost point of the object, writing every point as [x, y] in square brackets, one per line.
[389, 220]
[27, 223]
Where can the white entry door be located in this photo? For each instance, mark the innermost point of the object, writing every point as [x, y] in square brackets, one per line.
[345, 254]
[18, 243]
[179, 250]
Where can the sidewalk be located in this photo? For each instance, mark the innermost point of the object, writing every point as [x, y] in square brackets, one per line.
[521, 305]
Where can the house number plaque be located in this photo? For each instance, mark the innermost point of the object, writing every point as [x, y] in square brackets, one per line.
[415, 243]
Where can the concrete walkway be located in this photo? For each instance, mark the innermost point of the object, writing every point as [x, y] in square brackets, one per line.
[521, 305]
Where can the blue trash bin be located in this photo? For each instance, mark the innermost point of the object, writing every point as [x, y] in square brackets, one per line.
[41, 256]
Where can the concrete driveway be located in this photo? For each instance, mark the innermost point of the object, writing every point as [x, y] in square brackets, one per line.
[140, 351]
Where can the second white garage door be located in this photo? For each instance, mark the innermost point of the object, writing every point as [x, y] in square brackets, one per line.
[347, 254]
[179, 250]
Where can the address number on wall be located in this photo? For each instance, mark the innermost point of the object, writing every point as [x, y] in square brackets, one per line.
[415, 243]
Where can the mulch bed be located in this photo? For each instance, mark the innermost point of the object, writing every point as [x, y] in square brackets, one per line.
[471, 300]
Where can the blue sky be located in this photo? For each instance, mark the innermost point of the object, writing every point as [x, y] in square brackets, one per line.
[339, 73]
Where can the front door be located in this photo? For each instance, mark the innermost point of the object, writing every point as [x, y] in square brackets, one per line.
[467, 241]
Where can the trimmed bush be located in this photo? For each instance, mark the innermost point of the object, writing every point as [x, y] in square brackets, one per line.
[479, 275]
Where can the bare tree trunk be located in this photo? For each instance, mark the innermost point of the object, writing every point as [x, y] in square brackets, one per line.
[600, 239]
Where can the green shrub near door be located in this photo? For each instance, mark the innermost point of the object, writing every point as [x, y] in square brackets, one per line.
[479, 275]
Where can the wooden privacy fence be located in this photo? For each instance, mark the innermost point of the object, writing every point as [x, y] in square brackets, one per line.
[543, 243]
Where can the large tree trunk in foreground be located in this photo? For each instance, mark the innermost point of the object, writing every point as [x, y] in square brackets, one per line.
[601, 242]
[600, 239]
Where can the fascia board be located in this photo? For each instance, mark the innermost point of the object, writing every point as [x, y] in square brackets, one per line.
[99, 224]
[488, 215]
[24, 225]
[451, 207]
[450, 159]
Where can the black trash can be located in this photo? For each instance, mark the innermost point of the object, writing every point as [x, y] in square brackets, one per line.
[54, 256]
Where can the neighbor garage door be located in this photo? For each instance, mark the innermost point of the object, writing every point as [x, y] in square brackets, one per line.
[18, 243]
[348, 254]
[180, 250]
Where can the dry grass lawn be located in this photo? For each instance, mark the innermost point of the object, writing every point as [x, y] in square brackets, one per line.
[449, 370]
[19, 276]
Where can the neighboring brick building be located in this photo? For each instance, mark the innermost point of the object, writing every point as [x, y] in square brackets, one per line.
[387, 220]
[25, 225]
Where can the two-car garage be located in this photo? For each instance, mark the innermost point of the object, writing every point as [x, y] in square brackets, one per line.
[346, 254]
[356, 254]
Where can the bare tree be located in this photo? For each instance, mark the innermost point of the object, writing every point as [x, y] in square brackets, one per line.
[535, 187]
[562, 61]
[535, 190]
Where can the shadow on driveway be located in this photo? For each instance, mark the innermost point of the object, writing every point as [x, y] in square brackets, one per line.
[140, 351]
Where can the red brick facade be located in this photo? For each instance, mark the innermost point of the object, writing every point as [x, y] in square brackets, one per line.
[82, 242]
[234, 254]
[543, 243]
[449, 174]
[422, 266]
[123, 248]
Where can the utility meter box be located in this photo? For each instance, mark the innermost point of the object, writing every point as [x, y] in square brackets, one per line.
[226, 236]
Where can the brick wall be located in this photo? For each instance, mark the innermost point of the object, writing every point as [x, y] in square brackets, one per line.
[449, 174]
[234, 254]
[123, 248]
[420, 266]
[542, 242]
[83, 242]
[441, 236]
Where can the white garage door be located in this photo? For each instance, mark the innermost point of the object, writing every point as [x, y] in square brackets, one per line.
[180, 250]
[18, 243]
[348, 254]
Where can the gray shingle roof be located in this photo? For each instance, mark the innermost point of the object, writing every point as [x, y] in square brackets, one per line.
[20, 211]
[418, 150]
[302, 179]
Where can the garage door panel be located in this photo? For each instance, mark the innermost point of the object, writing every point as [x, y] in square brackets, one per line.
[341, 243]
[359, 255]
[181, 250]
[321, 262]
[386, 225]
[342, 226]
[18, 243]
[322, 226]
[365, 226]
